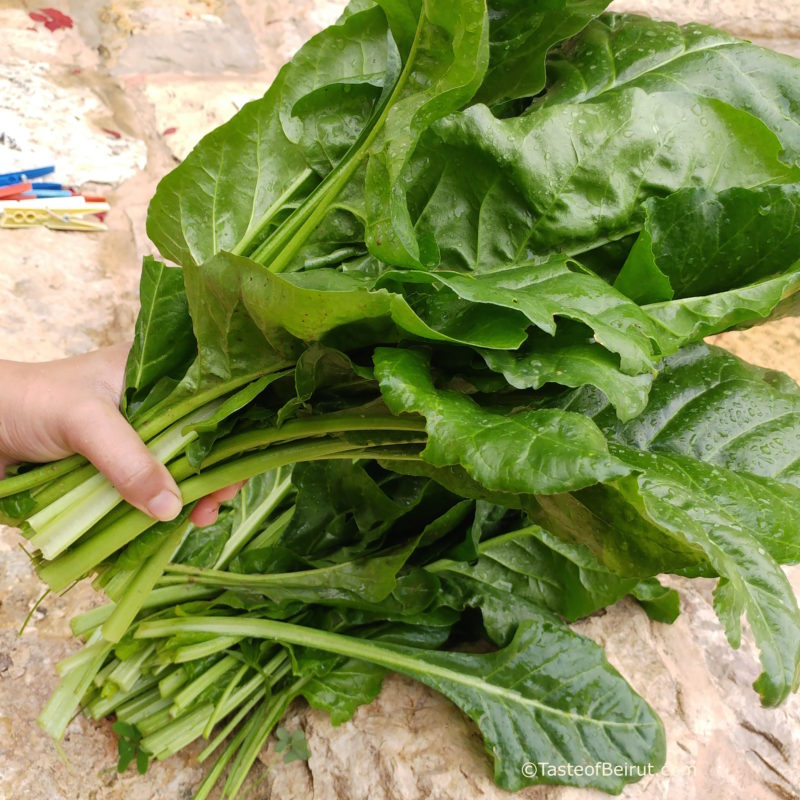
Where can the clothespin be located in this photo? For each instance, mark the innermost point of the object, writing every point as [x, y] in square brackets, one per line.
[52, 192]
[12, 189]
[58, 213]
[25, 175]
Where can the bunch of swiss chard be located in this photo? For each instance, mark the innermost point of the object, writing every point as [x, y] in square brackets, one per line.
[441, 295]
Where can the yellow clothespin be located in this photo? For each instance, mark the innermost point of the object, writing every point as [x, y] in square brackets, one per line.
[57, 213]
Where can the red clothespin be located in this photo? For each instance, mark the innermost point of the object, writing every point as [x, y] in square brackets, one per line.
[14, 189]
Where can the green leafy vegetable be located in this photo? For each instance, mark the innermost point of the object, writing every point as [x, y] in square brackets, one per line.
[440, 298]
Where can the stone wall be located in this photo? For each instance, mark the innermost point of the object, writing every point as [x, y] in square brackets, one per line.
[159, 75]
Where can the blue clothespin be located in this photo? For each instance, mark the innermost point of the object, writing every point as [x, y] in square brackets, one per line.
[7, 178]
[37, 185]
[51, 192]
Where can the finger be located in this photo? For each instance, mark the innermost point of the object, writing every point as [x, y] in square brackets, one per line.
[98, 431]
[207, 509]
[227, 492]
[205, 512]
[4, 464]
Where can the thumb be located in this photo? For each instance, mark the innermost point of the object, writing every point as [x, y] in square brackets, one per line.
[104, 436]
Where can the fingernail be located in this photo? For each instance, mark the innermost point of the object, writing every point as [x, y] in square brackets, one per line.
[164, 506]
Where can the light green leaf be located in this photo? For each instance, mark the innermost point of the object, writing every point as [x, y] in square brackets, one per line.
[573, 361]
[243, 178]
[248, 318]
[694, 318]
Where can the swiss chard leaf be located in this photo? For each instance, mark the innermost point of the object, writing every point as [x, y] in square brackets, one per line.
[248, 318]
[340, 505]
[520, 35]
[202, 546]
[554, 289]
[340, 685]
[696, 242]
[660, 602]
[626, 50]
[710, 412]
[550, 694]
[369, 579]
[573, 360]
[341, 691]
[709, 405]
[527, 452]
[239, 179]
[537, 567]
[751, 581]
[500, 192]
[163, 343]
[684, 321]
[445, 65]
[333, 85]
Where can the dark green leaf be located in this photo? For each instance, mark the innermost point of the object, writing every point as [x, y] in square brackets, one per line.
[445, 66]
[660, 603]
[709, 413]
[163, 343]
[202, 546]
[520, 35]
[537, 567]
[696, 242]
[126, 731]
[340, 685]
[322, 367]
[532, 452]
[624, 50]
[142, 760]
[550, 694]
[338, 504]
[668, 492]
[370, 580]
[500, 192]
[127, 751]
[709, 405]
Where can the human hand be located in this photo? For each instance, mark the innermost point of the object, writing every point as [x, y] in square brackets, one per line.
[56, 408]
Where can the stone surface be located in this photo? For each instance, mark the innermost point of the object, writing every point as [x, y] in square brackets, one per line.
[62, 117]
[62, 294]
[185, 112]
[202, 36]
[145, 67]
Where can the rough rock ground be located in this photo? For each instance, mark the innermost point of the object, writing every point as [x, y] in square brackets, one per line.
[142, 69]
